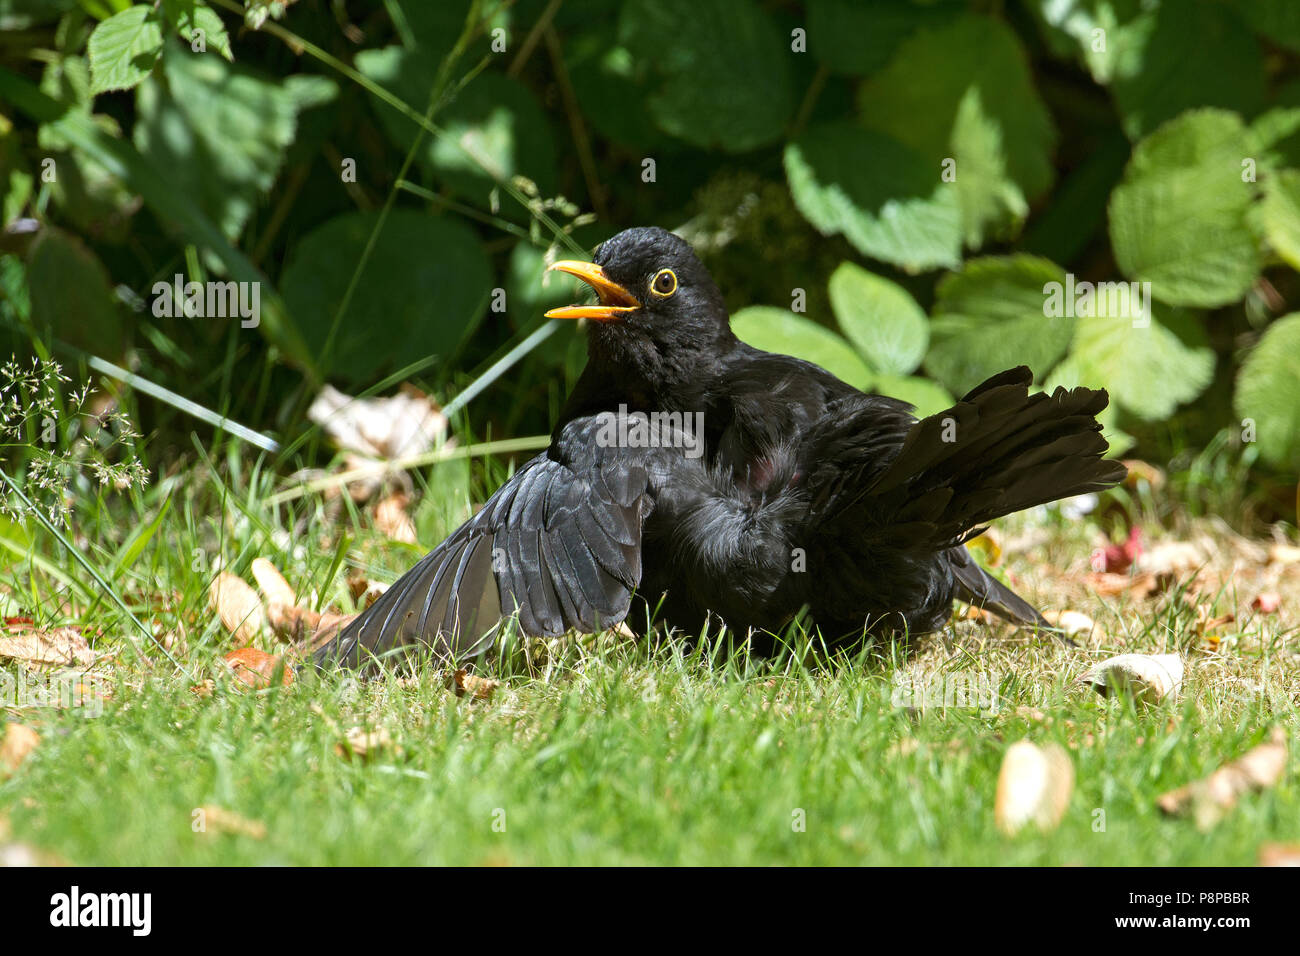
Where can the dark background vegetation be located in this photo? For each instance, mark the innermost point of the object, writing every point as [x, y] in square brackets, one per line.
[785, 167]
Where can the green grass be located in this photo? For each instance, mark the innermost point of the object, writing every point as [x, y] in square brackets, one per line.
[598, 749]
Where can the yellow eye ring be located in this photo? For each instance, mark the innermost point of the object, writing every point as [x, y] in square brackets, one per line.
[664, 283]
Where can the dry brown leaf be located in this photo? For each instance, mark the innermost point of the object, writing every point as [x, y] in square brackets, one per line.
[238, 606]
[1209, 798]
[407, 423]
[17, 743]
[25, 855]
[60, 646]
[392, 520]
[1110, 584]
[478, 688]
[364, 744]
[220, 820]
[1149, 678]
[364, 591]
[256, 668]
[1034, 787]
[272, 583]
[204, 690]
[1279, 854]
[1073, 623]
[1142, 471]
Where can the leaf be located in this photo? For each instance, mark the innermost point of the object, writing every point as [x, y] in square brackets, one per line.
[778, 330]
[124, 48]
[992, 315]
[1277, 215]
[392, 520]
[880, 318]
[208, 104]
[16, 744]
[1147, 678]
[495, 120]
[963, 91]
[1209, 798]
[257, 668]
[60, 646]
[1034, 787]
[1268, 392]
[171, 205]
[1160, 64]
[470, 685]
[877, 193]
[189, 15]
[1179, 220]
[392, 426]
[724, 82]
[1149, 369]
[365, 744]
[72, 294]
[417, 260]
[849, 36]
[238, 606]
[220, 820]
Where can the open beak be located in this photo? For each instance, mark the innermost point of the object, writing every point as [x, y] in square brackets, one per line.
[615, 301]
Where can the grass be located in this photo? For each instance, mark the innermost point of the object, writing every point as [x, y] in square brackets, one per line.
[598, 749]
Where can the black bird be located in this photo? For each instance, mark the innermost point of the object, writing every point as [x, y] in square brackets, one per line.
[706, 476]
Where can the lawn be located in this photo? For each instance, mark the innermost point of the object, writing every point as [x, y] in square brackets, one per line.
[599, 749]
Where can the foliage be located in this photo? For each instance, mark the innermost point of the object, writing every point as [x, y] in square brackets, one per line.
[935, 176]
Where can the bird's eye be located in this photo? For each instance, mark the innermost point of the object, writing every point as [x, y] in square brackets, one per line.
[664, 283]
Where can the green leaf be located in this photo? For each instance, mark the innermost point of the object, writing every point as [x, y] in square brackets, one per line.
[849, 36]
[964, 92]
[925, 396]
[994, 315]
[876, 192]
[1177, 56]
[124, 48]
[190, 124]
[72, 295]
[170, 204]
[1277, 216]
[424, 289]
[1268, 392]
[1150, 365]
[778, 330]
[1179, 219]
[495, 118]
[880, 318]
[188, 16]
[723, 68]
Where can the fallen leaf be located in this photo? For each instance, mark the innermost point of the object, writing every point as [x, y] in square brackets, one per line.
[204, 690]
[1139, 471]
[988, 546]
[364, 744]
[272, 583]
[1149, 678]
[364, 591]
[1267, 602]
[220, 820]
[1034, 787]
[17, 743]
[238, 606]
[60, 646]
[478, 688]
[392, 520]
[1283, 553]
[26, 855]
[1139, 586]
[407, 423]
[1073, 623]
[1209, 798]
[256, 668]
[1279, 854]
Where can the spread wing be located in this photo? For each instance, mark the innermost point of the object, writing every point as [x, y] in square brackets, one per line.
[558, 546]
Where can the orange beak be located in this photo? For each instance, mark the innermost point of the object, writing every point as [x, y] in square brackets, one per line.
[615, 301]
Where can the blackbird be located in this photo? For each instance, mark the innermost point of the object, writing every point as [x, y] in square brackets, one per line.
[704, 476]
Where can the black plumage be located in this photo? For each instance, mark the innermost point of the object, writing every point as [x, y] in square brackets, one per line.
[770, 487]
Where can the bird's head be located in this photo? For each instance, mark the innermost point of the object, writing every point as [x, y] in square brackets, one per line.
[652, 291]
